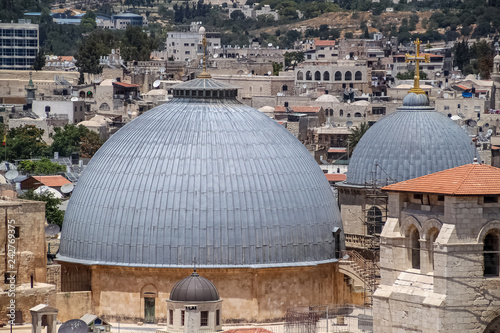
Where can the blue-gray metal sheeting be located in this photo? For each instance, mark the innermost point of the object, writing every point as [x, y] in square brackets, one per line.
[213, 180]
[412, 142]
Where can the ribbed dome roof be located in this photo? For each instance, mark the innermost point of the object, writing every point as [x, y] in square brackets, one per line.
[412, 142]
[194, 288]
[204, 178]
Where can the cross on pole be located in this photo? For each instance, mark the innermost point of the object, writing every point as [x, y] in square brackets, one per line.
[417, 58]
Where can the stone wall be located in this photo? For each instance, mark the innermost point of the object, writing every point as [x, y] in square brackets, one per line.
[73, 305]
[247, 294]
[26, 298]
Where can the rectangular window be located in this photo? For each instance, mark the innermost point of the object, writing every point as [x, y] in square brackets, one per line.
[17, 231]
[170, 317]
[6, 278]
[417, 196]
[182, 317]
[204, 318]
[446, 107]
[440, 197]
[187, 52]
[186, 44]
[490, 199]
[217, 317]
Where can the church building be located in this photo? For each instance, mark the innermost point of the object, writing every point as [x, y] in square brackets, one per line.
[440, 254]
[203, 181]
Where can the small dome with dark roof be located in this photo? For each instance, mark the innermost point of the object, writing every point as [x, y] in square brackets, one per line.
[194, 288]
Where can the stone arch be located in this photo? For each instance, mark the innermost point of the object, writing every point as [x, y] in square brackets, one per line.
[250, 89]
[407, 223]
[317, 76]
[82, 94]
[104, 107]
[357, 115]
[428, 225]
[308, 76]
[491, 225]
[326, 76]
[491, 246]
[374, 218]
[338, 76]
[90, 94]
[358, 76]
[240, 72]
[149, 290]
[414, 246]
[300, 76]
[348, 76]
[493, 320]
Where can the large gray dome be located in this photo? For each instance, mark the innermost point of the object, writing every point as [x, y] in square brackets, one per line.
[194, 288]
[205, 179]
[414, 141]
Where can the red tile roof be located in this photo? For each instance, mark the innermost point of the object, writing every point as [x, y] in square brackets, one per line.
[335, 177]
[337, 150]
[52, 181]
[126, 85]
[495, 147]
[320, 42]
[469, 179]
[248, 330]
[298, 109]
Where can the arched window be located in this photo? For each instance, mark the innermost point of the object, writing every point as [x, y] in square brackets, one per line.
[348, 76]
[317, 76]
[490, 250]
[358, 76]
[374, 218]
[348, 115]
[284, 88]
[326, 76]
[341, 112]
[433, 233]
[357, 115]
[415, 249]
[338, 76]
[300, 76]
[82, 94]
[89, 94]
[260, 89]
[250, 89]
[308, 76]
[104, 107]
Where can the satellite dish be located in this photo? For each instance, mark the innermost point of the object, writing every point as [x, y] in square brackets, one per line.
[489, 133]
[269, 73]
[45, 189]
[67, 188]
[52, 230]
[347, 57]
[355, 57]
[6, 166]
[156, 84]
[74, 99]
[455, 117]
[73, 326]
[11, 174]
[348, 124]
[216, 56]
[471, 122]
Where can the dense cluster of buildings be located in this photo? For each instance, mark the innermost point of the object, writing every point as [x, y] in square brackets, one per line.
[232, 172]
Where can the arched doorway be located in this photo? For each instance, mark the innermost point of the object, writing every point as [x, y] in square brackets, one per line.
[149, 293]
[494, 326]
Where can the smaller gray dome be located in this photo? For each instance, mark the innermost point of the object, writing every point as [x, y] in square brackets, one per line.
[194, 288]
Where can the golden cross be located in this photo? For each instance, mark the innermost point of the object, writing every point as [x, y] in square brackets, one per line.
[204, 74]
[417, 58]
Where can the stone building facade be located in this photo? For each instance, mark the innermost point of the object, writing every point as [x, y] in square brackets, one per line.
[440, 254]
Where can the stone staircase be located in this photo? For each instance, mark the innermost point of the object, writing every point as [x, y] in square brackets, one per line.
[364, 273]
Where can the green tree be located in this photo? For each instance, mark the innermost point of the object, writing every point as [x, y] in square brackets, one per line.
[90, 144]
[277, 67]
[39, 62]
[293, 58]
[52, 213]
[137, 45]
[88, 21]
[41, 167]
[410, 75]
[68, 140]
[354, 137]
[24, 143]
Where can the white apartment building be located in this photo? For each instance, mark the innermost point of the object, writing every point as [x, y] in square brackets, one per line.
[187, 45]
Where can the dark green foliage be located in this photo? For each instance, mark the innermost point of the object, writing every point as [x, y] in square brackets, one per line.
[88, 21]
[410, 75]
[277, 67]
[67, 140]
[40, 167]
[39, 62]
[52, 212]
[356, 135]
[293, 58]
[137, 45]
[23, 143]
